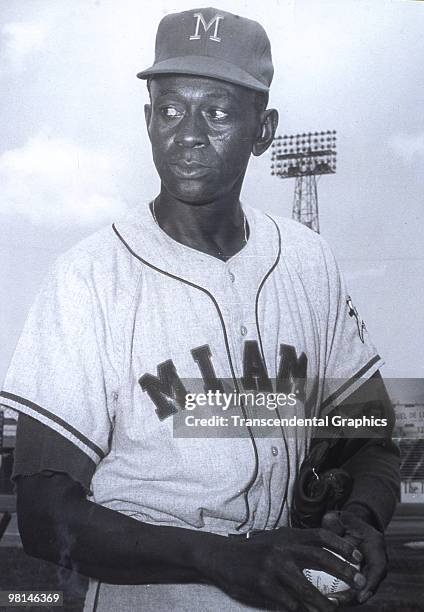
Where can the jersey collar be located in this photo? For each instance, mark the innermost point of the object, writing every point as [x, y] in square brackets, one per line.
[146, 241]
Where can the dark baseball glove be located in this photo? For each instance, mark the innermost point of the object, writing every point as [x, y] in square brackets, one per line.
[319, 486]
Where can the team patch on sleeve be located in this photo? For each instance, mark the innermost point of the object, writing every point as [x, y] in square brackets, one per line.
[351, 356]
[353, 312]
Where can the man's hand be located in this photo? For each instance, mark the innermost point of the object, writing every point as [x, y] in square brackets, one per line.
[370, 542]
[266, 569]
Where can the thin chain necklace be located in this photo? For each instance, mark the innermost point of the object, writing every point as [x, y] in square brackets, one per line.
[244, 223]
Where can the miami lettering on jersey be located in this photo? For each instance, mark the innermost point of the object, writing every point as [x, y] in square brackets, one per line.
[167, 390]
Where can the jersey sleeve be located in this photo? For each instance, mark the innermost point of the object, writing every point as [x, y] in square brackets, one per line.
[351, 357]
[62, 372]
[41, 450]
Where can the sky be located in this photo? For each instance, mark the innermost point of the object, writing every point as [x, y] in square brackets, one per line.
[74, 153]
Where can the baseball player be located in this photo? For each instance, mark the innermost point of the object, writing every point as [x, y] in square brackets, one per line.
[193, 286]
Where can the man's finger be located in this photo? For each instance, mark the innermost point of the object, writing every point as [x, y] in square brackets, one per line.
[346, 547]
[364, 596]
[352, 524]
[306, 593]
[375, 569]
[326, 561]
[331, 521]
[309, 608]
[283, 597]
[344, 598]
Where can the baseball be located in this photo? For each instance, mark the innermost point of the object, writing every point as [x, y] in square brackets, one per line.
[326, 583]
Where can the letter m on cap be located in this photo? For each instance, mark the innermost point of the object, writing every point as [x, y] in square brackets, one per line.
[201, 20]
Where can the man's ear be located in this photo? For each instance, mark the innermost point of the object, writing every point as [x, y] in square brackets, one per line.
[269, 123]
[147, 114]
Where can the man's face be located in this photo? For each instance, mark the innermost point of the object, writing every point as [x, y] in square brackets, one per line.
[202, 131]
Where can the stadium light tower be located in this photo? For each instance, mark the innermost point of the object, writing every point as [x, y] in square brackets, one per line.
[304, 157]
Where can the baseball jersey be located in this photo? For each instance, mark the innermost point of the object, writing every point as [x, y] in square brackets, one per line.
[129, 318]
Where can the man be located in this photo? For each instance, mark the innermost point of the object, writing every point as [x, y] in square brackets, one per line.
[194, 286]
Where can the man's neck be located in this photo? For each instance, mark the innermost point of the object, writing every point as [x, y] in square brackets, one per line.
[217, 228]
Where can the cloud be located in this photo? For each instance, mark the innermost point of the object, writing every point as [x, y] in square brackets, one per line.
[410, 147]
[21, 39]
[54, 182]
[367, 271]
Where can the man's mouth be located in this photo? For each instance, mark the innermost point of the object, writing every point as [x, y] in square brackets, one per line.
[189, 169]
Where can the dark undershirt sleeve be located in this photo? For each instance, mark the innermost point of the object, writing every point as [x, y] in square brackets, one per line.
[40, 449]
[376, 478]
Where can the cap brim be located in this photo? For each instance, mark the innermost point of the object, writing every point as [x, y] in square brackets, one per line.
[202, 65]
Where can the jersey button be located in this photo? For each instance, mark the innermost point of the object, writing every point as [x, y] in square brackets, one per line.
[274, 451]
[243, 330]
[232, 277]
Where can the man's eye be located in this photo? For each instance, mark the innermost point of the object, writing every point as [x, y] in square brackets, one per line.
[215, 113]
[170, 111]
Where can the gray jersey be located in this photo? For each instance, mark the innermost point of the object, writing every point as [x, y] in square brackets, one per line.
[129, 315]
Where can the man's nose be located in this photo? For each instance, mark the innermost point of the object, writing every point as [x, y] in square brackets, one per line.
[192, 131]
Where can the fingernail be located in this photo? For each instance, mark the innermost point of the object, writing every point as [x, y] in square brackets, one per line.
[334, 601]
[357, 555]
[360, 581]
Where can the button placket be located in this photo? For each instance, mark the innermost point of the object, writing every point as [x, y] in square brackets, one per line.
[236, 306]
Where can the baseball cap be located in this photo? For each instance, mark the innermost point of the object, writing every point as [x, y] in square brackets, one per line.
[213, 43]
